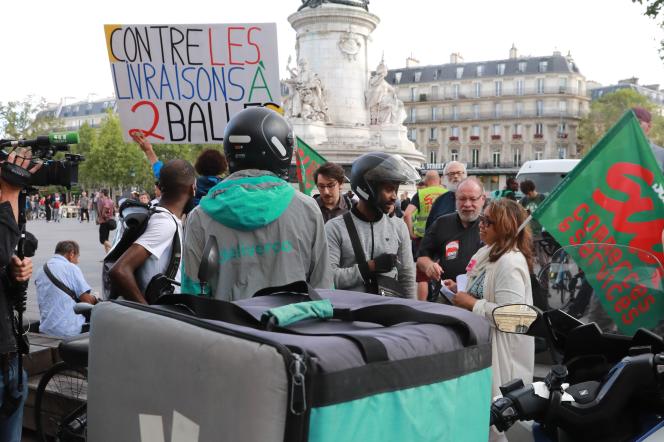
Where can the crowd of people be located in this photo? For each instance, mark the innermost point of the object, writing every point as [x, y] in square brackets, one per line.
[268, 234]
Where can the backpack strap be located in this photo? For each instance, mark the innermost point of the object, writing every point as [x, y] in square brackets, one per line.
[360, 258]
[59, 284]
[176, 254]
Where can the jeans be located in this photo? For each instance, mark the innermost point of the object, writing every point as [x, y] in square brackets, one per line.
[11, 426]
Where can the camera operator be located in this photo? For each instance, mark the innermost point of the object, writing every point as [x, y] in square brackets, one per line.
[12, 270]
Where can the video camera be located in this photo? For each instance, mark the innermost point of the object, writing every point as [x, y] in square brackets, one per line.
[52, 172]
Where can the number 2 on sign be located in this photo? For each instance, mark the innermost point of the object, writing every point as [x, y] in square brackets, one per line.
[155, 120]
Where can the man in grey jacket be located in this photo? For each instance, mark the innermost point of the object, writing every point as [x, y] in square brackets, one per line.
[375, 178]
[268, 234]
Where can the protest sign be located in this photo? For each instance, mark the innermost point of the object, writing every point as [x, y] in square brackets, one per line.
[183, 83]
[615, 196]
[307, 160]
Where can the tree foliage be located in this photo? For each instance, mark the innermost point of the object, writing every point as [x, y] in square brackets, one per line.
[655, 10]
[26, 119]
[605, 112]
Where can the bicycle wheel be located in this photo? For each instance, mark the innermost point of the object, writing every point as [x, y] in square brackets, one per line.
[563, 289]
[544, 279]
[61, 394]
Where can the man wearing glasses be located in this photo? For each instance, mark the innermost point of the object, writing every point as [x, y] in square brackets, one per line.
[454, 238]
[454, 172]
[332, 203]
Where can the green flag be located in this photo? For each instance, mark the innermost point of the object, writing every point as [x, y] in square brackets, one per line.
[615, 195]
[307, 161]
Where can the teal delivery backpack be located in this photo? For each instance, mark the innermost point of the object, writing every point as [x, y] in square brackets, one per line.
[289, 364]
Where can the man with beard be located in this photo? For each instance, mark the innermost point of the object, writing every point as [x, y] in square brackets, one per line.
[329, 178]
[384, 240]
[152, 252]
[453, 239]
[454, 172]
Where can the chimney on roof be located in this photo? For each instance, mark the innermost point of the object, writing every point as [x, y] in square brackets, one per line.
[412, 62]
[513, 52]
[633, 80]
[456, 58]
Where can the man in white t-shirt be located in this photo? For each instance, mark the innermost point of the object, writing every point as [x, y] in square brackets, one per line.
[151, 253]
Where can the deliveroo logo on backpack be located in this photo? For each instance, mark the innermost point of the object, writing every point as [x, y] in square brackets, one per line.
[182, 428]
[241, 250]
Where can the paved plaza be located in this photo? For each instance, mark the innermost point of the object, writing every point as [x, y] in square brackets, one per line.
[49, 234]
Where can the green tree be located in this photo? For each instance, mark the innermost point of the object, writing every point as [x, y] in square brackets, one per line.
[26, 119]
[606, 111]
[655, 10]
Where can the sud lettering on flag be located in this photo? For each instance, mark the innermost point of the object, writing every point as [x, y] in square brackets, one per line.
[307, 160]
[613, 197]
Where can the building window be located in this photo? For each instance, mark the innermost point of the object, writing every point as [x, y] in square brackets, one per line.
[539, 108]
[475, 158]
[455, 113]
[397, 77]
[498, 110]
[518, 129]
[562, 152]
[433, 157]
[480, 70]
[562, 107]
[540, 85]
[562, 130]
[518, 109]
[413, 94]
[499, 88]
[433, 134]
[417, 76]
[435, 74]
[476, 111]
[539, 129]
[522, 66]
[454, 131]
[496, 159]
[434, 112]
[495, 129]
[412, 134]
[500, 69]
[562, 85]
[475, 132]
[454, 155]
[413, 115]
[539, 155]
[519, 86]
[478, 89]
[455, 91]
[543, 66]
[459, 72]
[434, 92]
[517, 157]
[579, 89]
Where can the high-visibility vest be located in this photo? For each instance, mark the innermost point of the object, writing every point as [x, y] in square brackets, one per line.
[427, 197]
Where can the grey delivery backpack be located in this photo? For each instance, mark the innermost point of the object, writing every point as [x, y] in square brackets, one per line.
[289, 364]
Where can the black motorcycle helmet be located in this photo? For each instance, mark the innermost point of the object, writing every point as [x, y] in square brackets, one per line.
[371, 169]
[259, 138]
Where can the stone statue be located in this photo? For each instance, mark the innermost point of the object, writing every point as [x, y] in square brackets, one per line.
[364, 4]
[382, 101]
[306, 94]
[349, 45]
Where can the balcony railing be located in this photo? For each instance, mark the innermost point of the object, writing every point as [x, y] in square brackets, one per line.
[484, 116]
[489, 92]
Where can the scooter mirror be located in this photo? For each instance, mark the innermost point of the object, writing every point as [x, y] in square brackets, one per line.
[514, 318]
[209, 267]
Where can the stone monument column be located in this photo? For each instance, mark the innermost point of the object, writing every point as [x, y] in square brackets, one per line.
[333, 38]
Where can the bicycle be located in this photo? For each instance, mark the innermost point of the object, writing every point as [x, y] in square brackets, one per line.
[61, 398]
[556, 270]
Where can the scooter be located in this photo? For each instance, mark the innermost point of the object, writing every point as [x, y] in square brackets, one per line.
[602, 386]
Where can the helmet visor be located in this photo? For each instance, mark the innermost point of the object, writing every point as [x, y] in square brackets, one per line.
[393, 168]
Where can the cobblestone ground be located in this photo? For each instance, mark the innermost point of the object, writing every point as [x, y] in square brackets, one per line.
[49, 234]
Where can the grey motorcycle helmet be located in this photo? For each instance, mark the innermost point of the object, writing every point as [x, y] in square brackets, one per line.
[371, 169]
[259, 138]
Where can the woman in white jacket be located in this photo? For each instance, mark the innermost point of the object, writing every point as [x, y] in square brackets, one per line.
[499, 274]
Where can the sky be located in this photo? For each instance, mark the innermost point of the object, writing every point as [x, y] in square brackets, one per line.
[56, 49]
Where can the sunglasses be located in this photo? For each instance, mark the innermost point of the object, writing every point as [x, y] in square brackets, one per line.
[486, 220]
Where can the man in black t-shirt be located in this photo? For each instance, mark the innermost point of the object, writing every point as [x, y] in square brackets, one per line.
[453, 239]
